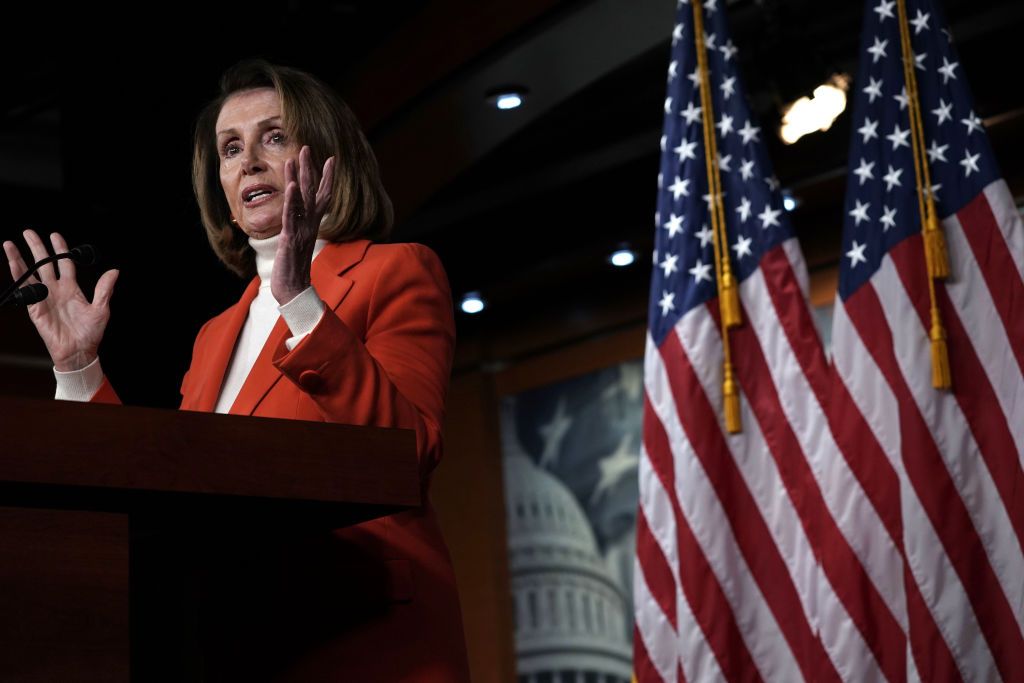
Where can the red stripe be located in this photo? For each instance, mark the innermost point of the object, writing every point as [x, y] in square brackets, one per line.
[704, 594]
[795, 318]
[643, 669]
[935, 489]
[998, 268]
[656, 570]
[974, 394]
[866, 608]
[881, 485]
[769, 570]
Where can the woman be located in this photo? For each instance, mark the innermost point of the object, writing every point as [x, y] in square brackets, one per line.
[333, 327]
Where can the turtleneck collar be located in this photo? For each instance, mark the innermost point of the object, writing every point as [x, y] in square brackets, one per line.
[266, 252]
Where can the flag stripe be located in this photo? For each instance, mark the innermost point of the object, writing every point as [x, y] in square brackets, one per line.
[1008, 221]
[654, 640]
[927, 471]
[657, 572]
[796, 403]
[708, 602]
[763, 558]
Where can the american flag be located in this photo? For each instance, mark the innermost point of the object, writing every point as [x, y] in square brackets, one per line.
[726, 583]
[938, 500]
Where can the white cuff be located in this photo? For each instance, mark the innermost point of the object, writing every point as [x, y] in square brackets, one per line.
[301, 315]
[79, 385]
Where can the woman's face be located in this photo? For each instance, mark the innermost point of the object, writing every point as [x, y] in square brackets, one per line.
[253, 148]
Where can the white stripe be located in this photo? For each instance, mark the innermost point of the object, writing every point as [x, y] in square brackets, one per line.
[1008, 218]
[657, 634]
[972, 299]
[956, 444]
[849, 507]
[710, 525]
[697, 658]
[791, 247]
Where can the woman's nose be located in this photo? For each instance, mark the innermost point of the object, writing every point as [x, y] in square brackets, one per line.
[252, 162]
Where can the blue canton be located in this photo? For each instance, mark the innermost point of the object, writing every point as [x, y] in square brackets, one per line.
[881, 206]
[684, 264]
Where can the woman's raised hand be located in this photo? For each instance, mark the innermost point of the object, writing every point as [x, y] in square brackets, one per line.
[70, 326]
[306, 199]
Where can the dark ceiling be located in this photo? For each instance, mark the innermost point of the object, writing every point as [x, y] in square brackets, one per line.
[523, 206]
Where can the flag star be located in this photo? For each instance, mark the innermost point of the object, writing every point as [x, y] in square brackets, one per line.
[657, 218]
[972, 122]
[672, 68]
[944, 111]
[937, 151]
[970, 163]
[945, 32]
[892, 178]
[884, 10]
[769, 216]
[860, 212]
[869, 129]
[664, 141]
[742, 247]
[661, 180]
[711, 6]
[701, 271]
[749, 132]
[864, 170]
[724, 125]
[728, 87]
[947, 70]
[674, 225]
[668, 105]
[704, 235]
[723, 163]
[685, 150]
[669, 264]
[654, 257]
[888, 219]
[708, 196]
[898, 137]
[679, 188]
[856, 254]
[666, 302]
[709, 41]
[902, 98]
[934, 191]
[747, 169]
[691, 113]
[677, 34]
[873, 89]
[773, 183]
[920, 22]
[694, 76]
[919, 60]
[878, 50]
[744, 209]
[728, 50]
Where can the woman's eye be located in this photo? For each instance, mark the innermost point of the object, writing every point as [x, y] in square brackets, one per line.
[229, 149]
[277, 137]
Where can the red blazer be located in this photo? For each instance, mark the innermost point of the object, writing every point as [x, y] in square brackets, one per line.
[377, 601]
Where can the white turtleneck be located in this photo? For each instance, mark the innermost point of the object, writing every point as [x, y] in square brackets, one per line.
[301, 314]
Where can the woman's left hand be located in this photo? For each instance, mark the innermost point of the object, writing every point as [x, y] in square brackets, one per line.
[306, 199]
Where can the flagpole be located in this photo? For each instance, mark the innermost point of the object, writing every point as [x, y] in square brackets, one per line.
[728, 297]
[934, 239]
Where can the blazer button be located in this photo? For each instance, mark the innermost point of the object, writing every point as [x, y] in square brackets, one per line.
[311, 381]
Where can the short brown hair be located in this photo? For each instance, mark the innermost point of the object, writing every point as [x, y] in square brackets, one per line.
[315, 115]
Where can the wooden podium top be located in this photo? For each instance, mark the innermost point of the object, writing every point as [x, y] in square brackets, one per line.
[201, 466]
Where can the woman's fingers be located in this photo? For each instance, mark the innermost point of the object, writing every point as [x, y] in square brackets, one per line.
[306, 179]
[47, 273]
[323, 195]
[66, 266]
[14, 260]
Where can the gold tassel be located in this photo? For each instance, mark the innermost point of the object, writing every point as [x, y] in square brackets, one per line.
[730, 392]
[935, 250]
[729, 299]
[941, 378]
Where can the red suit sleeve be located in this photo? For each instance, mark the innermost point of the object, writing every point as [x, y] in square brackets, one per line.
[397, 376]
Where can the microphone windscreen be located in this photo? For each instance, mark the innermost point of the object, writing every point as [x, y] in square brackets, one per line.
[31, 294]
[84, 255]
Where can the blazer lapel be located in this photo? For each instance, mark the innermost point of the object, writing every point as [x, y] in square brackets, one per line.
[327, 276]
[216, 353]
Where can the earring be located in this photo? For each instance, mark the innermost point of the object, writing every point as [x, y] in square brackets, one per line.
[234, 220]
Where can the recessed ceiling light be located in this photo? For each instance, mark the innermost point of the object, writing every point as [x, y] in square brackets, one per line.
[622, 257]
[811, 114]
[507, 97]
[472, 303]
[789, 202]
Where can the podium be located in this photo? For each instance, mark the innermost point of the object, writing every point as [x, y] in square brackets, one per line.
[135, 542]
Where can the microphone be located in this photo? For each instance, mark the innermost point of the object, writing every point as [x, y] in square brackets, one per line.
[85, 255]
[28, 295]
